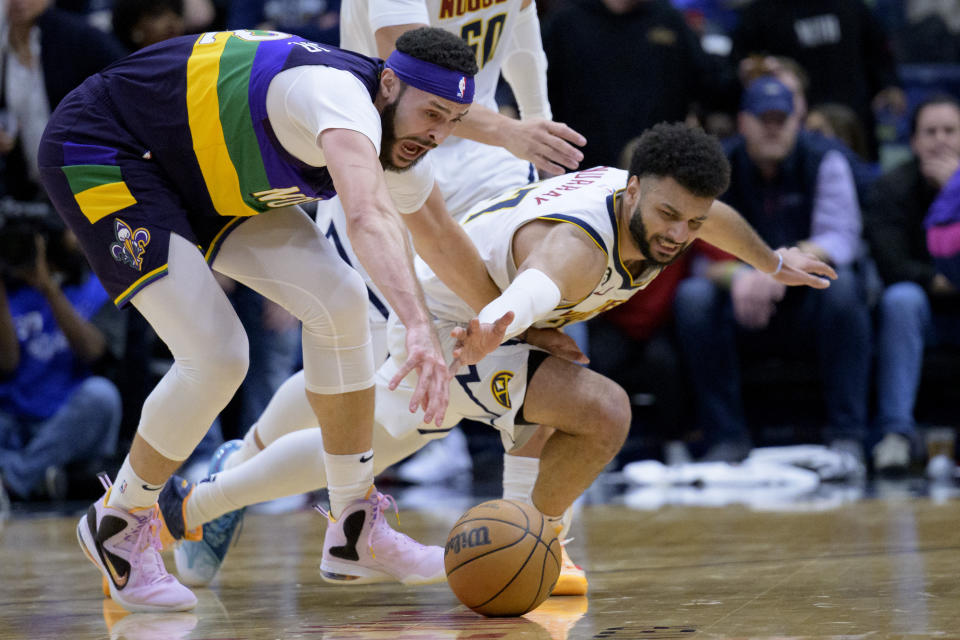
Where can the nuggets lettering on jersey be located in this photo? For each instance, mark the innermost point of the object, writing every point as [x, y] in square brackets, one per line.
[455, 8]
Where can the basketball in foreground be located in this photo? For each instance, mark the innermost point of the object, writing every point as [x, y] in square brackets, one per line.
[502, 559]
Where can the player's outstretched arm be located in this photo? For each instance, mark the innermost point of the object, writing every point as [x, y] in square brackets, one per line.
[556, 261]
[726, 229]
[550, 146]
[378, 237]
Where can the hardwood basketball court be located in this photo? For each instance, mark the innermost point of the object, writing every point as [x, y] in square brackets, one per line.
[834, 565]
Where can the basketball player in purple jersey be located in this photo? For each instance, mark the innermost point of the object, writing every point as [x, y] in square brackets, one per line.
[212, 141]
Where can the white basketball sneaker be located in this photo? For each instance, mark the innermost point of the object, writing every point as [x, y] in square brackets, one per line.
[125, 547]
[361, 548]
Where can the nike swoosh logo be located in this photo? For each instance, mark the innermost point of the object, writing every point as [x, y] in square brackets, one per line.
[366, 458]
[119, 580]
[108, 559]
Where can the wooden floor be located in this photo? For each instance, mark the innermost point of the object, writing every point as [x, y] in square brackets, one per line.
[886, 567]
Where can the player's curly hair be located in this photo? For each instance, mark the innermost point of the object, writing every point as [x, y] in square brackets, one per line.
[439, 47]
[687, 154]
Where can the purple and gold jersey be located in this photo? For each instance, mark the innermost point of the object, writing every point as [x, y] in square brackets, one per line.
[175, 139]
[198, 105]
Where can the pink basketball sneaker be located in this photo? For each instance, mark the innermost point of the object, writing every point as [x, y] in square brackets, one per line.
[360, 548]
[126, 548]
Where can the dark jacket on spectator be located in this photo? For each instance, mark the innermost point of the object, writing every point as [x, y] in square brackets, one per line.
[893, 225]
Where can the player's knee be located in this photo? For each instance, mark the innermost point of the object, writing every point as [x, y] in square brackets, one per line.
[221, 364]
[340, 315]
[614, 423]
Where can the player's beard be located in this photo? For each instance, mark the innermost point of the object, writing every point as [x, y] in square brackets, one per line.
[388, 139]
[639, 232]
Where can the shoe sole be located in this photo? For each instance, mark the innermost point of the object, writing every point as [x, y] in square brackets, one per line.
[337, 573]
[107, 584]
[572, 585]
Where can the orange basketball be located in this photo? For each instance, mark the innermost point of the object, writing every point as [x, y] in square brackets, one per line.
[501, 558]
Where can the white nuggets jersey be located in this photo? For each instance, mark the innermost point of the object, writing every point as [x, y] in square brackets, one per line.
[466, 171]
[585, 199]
[493, 390]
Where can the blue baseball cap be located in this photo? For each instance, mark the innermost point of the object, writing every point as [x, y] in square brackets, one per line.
[767, 94]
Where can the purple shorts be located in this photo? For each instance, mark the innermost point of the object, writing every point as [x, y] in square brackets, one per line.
[114, 197]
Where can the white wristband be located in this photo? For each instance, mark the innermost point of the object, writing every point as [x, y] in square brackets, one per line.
[530, 296]
[779, 265]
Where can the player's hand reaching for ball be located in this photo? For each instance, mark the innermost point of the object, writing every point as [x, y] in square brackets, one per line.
[478, 339]
[433, 382]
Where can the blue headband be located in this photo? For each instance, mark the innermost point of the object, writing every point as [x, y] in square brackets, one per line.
[432, 78]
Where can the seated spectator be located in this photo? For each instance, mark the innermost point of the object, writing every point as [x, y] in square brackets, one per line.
[943, 230]
[918, 307]
[836, 124]
[839, 43]
[839, 122]
[794, 190]
[53, 410]
[140, 23]
[318, 20]
[47, 52]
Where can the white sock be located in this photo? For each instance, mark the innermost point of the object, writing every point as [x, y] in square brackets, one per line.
[130, 491]
[349, 477]
[244, 453]
[290, 466]
[519, 476]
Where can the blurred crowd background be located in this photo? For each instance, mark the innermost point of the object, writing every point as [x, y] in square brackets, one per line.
[841, 122]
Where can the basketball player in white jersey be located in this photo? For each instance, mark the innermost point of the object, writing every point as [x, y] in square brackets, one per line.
[562, 251]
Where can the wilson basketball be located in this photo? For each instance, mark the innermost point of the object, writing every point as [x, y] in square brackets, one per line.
[501, 558]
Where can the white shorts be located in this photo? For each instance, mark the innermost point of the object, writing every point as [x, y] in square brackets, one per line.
[490, 392]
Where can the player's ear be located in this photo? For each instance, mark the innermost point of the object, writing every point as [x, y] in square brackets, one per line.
[389, 84]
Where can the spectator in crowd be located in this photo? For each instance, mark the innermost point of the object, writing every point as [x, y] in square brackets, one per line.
[644, 66]
[923, 31]
[793, 190]
[852, 145]
[838, 42]
[140, 23]
[46, 52]
[919, 304]
[838, 121]
[943, 230]
[317, 20]
[53, 410]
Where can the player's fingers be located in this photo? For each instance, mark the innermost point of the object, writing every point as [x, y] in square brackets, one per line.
[561, 152]
[547, 166]
[436, 389]
[567, 133]
[404, 370]
[418, 399]
[503, 322]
